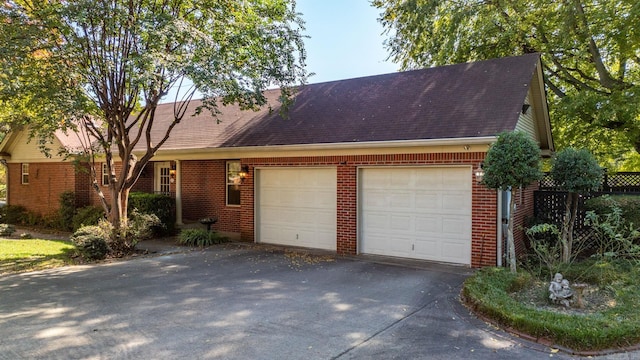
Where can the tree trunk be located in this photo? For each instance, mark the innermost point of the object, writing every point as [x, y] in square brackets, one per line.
[566, 224]
[510, 240]
[119, 201]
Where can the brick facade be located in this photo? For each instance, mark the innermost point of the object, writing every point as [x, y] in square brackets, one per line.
[484, 201]
[204, 194]
[46, 182]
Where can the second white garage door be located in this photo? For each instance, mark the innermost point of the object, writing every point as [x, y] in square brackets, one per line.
[421, 212]
[297, 207]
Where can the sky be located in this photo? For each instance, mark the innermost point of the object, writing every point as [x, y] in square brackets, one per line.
[345, 40]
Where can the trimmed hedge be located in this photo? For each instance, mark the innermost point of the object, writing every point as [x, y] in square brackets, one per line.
[88, 215]
[162, 206]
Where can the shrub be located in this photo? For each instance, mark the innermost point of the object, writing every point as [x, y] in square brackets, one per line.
[88, 215]
[628, 204]
[139, 227]
[162, 206]
[611, 236]
[6, 229]
[67, 210]
[91, 242]
[200, 237]
[14, 214]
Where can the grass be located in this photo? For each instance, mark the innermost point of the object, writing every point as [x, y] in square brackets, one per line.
[492, 292]
[34, 254]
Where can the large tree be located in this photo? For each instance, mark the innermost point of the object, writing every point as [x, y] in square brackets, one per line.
[590, 50]
[104, 65]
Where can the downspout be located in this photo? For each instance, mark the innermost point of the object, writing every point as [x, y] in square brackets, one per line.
[178, 193]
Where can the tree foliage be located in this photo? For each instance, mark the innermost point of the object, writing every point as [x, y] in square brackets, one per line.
[577, 172]
[513, 161]
[104, 65]
[590, 51]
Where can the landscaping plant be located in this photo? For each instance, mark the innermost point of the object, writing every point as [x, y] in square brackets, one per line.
[577, 172]
[200, 237]
[513, 161]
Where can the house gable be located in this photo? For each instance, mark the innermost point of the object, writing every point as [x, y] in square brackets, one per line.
[18, 148]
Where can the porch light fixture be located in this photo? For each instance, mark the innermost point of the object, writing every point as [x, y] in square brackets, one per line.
[479, 172]
[244, 172]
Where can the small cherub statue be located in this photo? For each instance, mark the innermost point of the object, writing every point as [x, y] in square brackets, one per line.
[559, 291]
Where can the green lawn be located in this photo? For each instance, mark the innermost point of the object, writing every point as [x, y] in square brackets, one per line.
[33, 254]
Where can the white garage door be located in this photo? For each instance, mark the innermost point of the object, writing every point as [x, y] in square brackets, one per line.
[297, 207]
[422, 213]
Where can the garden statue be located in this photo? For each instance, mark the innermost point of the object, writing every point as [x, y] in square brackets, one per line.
[559, 291]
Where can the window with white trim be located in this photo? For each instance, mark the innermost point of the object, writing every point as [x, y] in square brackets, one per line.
[233, 183]
[25, 174]
[105, 174]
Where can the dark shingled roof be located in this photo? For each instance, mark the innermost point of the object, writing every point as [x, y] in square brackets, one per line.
[458, 101]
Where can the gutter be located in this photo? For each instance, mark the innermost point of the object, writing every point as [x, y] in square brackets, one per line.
[336, 146]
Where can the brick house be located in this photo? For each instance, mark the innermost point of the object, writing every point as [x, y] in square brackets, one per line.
[378, 165]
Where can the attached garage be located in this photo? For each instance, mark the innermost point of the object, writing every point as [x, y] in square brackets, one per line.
[297, 207]
[416, 212]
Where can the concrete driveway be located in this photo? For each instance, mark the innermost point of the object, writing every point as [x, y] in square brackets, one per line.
[246, 303]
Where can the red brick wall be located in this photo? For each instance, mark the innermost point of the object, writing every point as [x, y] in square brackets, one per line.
[204, 194]
[46, 182]
[524, 211]
[484, 201]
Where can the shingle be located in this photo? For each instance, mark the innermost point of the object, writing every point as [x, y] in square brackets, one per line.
[457, 101]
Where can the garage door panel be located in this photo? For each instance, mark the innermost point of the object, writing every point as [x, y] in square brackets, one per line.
[376, 221]
[297, 207]
[401, 222]
[431, 180]
[422, 212]
[428, 224]
[427, 202]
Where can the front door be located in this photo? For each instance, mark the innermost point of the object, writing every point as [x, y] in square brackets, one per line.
[162, 178]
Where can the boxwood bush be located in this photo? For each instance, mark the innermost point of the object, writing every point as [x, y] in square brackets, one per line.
[91, 242]
[162, 206]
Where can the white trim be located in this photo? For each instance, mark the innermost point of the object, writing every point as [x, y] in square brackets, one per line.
[23, 173]
[157, 176]
[227, 183]
[105, 174]
[338, 146]
[178, 193]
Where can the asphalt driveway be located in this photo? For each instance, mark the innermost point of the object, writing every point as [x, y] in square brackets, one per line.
[246, 303]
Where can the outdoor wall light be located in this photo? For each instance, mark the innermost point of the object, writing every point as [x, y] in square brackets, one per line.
[479, 172]
[244, 172]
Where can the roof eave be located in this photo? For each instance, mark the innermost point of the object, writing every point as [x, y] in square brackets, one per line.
[485, 140]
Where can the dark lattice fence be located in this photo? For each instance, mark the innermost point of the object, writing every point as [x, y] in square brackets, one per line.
[549, 207]
[550, 200]
[624, 182]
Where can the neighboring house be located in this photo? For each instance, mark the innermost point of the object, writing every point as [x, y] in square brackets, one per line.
[375, 165]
